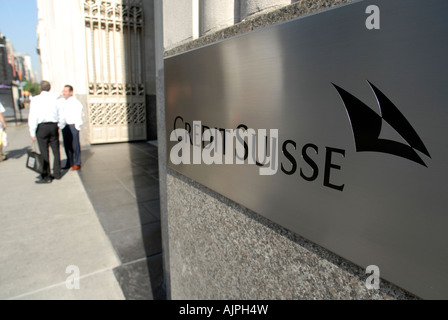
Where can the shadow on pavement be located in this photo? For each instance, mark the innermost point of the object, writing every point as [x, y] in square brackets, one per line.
[17, 153]
[121, 181]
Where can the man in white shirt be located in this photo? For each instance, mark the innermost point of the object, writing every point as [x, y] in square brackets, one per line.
[44, 122]
[72, 111]
[2, 128]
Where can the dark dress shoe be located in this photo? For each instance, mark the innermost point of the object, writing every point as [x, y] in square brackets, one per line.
[67, 167]
[44, 180]
[74, 168]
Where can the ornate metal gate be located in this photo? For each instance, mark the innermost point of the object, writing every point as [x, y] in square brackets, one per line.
[115, 52]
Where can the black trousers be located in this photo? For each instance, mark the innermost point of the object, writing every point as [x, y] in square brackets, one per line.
[72, 145]
[48, 136]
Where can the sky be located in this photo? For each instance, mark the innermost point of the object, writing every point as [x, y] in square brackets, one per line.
[18, 21]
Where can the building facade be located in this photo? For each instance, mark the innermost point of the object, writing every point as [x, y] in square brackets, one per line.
[103, 49]
[15, 69]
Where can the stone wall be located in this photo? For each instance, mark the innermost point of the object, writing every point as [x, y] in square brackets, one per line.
[220, 250]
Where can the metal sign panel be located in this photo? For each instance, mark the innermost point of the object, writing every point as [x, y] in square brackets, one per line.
[359, 96]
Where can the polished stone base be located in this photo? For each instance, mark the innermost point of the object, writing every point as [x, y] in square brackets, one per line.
[220, 250]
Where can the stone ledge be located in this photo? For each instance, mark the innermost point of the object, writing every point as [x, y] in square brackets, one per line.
[262, 19]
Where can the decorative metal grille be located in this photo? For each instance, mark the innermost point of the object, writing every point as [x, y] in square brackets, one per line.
[114, 114]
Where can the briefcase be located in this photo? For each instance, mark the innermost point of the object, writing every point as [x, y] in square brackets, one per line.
[35, 162]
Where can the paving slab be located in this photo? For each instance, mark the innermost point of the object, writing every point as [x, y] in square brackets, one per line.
[122, 183]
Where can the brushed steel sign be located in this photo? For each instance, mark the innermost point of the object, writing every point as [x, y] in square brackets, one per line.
[349, 109]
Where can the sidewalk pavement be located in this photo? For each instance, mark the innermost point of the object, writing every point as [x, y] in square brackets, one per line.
[76, 221]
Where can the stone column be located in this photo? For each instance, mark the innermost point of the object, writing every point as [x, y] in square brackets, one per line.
[250, 7]
[177, 21]
[159, 25]
[215, 15]
[150, 73]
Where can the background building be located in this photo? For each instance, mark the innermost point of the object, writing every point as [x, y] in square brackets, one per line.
[15, 69]
[5, 68]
